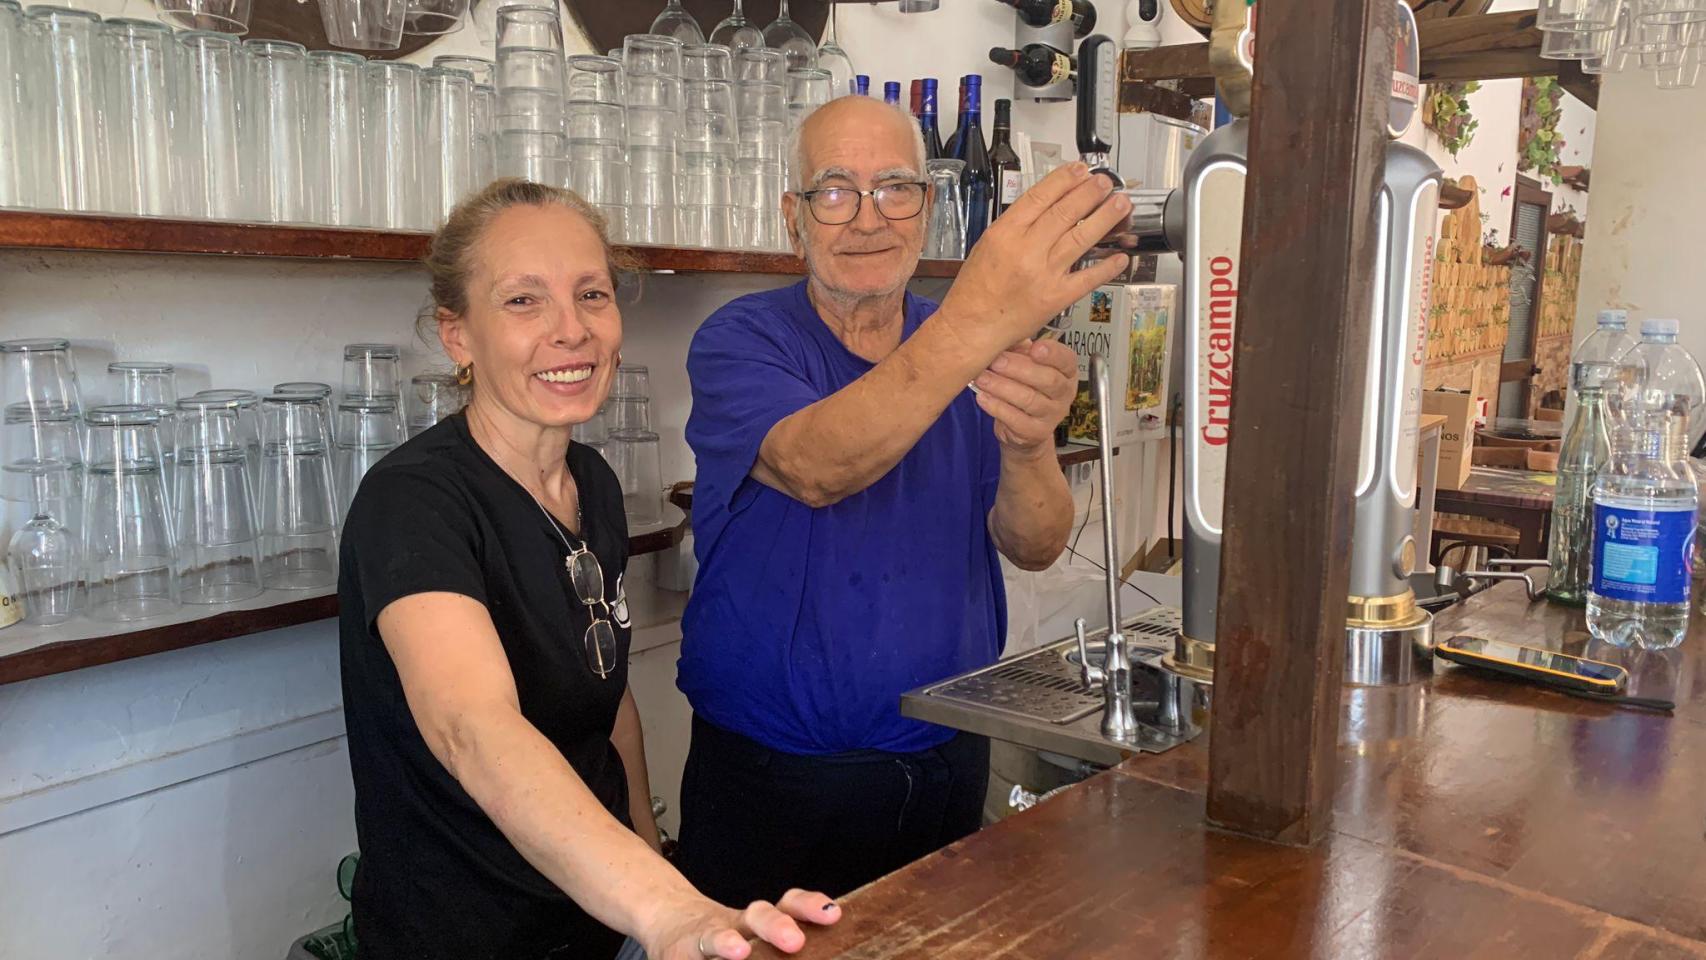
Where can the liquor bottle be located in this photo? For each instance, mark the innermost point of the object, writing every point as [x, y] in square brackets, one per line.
[951, 146]
[917, 101]
[891, 92]
[1006, 177]
[927, 120]
[1042, 13]
[862, 85]
[968, 146]
[1037, 65]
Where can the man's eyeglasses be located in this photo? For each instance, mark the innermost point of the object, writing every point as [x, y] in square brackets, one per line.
[587, 577]
[834, 206]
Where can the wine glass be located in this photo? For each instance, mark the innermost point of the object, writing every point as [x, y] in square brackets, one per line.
[676, 22]
[735, 32]
[831, 57]
[792, 39]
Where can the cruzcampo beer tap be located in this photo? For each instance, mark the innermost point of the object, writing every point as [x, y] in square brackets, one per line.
[1389, 636]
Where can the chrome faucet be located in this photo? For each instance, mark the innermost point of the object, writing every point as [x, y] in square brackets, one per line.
[1118, 721]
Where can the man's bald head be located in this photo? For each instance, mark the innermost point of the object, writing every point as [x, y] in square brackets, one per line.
[851, 116]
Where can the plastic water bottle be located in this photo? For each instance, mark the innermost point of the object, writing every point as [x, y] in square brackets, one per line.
[1596, 363]
[1645, 501]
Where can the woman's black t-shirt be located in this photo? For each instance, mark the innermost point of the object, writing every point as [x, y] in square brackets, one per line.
[437, 878]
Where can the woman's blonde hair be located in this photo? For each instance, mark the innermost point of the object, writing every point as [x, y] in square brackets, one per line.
[450, 257]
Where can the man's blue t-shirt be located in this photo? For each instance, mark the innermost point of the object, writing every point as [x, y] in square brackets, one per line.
[806, 625]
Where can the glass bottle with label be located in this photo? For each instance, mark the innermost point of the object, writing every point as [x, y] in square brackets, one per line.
[1005, 167]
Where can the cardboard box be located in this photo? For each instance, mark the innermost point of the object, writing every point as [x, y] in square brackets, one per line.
[1129, 324]
[1457, 436]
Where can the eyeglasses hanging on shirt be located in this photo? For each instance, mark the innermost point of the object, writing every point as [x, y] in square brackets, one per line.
[586, 576]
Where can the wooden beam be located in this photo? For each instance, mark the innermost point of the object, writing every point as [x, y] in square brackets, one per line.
[1483, 47]
[1317, 150]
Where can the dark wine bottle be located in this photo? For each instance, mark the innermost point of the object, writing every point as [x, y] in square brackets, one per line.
[927, 120]
[1037, 65]
[1006, 178]
[951, 146]
[968, 146]
[1041, 13]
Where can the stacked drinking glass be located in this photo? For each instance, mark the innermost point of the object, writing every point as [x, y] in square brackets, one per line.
[652, 88]
[705, 149]
[530, 92]
[597, 128]
[760, 167]
[631, 446]
[42, 474]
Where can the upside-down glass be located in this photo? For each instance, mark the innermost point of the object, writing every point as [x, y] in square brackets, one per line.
[529, 26]
[322, 392]
[593, 431]
[628, 414]
[448, 160]
[155, 386]
[39, 373]
[1671, 12]
[736, 32]
[433, 397]
[1596, 62]
[590, 77]
[945, 233]
[372, 370]
[651, 193]
[483, 133]
[364, 24]
[634, 456]
[44, 550]
[248, 424]
[645, 55]
[759, 185]
[601, 182]
[223, 16]
[139, 78]
[333, 148]
[808, 89]
[431, 18]
[676, 22]
[17, 172]
[366, 430]
[272, 123]
[396, 199]
[1682, 76]
[218, 548]
[204, 126]
[67, 112]
[707, 61]
[596, 122]
[1566, 44]
[479, 68]
[42, 434]
[298, 513]
[532, 155]
[792, 39]
[632, 380]
[760, 63]
[127, 527]
[1575, 14]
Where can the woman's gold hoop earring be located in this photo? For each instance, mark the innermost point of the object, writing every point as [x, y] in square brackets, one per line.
[464, 374]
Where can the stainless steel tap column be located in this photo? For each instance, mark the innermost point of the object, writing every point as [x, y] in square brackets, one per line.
[1118, 721]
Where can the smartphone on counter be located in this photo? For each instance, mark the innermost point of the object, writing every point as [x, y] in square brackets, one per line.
[1540, 666]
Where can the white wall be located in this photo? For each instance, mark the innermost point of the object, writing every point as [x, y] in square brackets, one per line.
[1649, 201]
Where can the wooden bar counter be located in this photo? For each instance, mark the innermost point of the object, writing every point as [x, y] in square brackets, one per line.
[1474, 818]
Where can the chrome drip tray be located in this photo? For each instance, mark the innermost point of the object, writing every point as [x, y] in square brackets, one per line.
[1037, 699]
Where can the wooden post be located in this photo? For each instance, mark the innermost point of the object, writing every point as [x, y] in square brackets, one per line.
[1317, 149]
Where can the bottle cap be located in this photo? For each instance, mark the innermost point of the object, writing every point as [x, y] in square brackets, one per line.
[1614, 318]
[1658, 326]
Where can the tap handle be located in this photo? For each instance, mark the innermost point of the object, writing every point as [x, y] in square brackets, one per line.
[1091, 675]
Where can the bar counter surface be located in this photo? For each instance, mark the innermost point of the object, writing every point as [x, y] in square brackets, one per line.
[1474, 818]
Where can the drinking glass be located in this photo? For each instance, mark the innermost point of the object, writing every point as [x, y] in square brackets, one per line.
[1682, 76]
[432, 18]
[808, 89]
[632, 380]
[155, 386]
[1671, 12]
[707, 61]
[204, 125]
[1580, 15]
[336, 90]
[792, 39]
[531, 154]
[434, 396]
[479, 69]
[530, 90]
[44, 550]
[831, 57]
[321, 392]
[298, 514]
[395, 196]
[651, 192]
[449, 160]
[17, 172]
[596, 122]
[138, 115]
[220, 16]
[919, 6]
[645, 55]
[364, 24]
[676, 22]
[372, 371]
[758, 63]
[945, 236]
[273, 122]
[367, 429]
[708, 111]
[67, 109]
[628, 414]
[483, 133]
[127, 529]
[1596, 62]
[591, 77]
[39, 373]
[653, 92]
[525, 26]
[602, 182]
[1664, 59]
[248, 424]
[593, 431]
[759, 185]
[1566, 44]
[736, 32]
[633, 455]
[33, 436]
[218, 546]
[1639, 35]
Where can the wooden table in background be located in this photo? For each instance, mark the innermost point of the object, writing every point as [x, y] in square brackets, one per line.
[1474, 819]
[1519, 498]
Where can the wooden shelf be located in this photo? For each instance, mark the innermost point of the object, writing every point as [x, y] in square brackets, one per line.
[27, 652]
[52, 230]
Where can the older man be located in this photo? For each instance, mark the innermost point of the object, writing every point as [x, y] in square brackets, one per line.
[852, 497]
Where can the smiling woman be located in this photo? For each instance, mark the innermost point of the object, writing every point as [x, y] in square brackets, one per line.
[502, 805]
